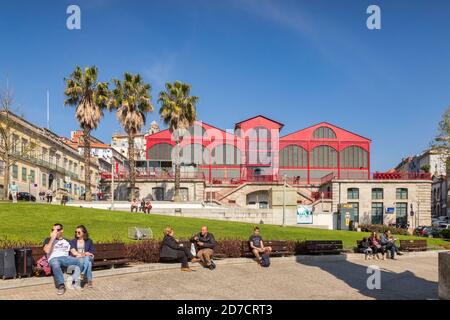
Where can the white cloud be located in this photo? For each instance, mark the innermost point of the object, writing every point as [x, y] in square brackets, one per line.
[160, 71]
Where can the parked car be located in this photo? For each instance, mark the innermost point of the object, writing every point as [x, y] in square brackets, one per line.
[444, 226]
[419, 230]
[431, 232]
[25, 196]
[445, 219]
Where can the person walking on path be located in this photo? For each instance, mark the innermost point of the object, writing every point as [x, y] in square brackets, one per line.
[14, 190]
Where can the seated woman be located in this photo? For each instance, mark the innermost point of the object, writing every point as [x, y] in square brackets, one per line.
[147, 207]
[172, 250]
[376, 246]
[83, 249]
[364, 247]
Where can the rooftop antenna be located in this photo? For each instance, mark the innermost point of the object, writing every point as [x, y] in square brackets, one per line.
[48, 109]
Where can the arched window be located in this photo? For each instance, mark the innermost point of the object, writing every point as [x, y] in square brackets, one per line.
[259, 145]
[226, 154]
[324, 157]
[160, 152]
[324, 133]
[293, 156]
[193, 154]
[354, 157]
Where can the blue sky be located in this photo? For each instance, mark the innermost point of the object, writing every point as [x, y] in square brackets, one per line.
[298, 62]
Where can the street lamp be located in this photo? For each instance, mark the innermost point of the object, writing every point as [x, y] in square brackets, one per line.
[284, 199]
[29, 187]
[112, 183]
[418, 213]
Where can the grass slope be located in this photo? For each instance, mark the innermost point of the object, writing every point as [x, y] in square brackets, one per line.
[32, 223]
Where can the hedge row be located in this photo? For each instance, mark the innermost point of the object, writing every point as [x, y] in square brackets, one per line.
[148, 250]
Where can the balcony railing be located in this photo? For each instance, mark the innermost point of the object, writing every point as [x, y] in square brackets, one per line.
[377, 176]
[318, 195]
[150, 174]
[47, 164]
[402, 176]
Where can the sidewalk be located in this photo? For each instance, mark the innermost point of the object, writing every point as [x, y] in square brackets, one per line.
[135, 268]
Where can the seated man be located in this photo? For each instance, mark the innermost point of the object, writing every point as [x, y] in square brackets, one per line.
[142, 207]
[257, 245]
[57, 250]
[205, 243]
[388, 242]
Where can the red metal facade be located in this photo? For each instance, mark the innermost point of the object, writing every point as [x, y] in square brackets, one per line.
[305, 156]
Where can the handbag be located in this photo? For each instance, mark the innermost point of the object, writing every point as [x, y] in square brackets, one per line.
[42, 265]
[193, 252]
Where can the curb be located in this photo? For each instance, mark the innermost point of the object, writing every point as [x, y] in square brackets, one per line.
[148, 267]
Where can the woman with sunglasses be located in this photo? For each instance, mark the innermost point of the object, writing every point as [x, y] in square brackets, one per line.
[83, 248]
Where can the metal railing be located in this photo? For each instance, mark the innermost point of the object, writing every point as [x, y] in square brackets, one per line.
[317, 195]
[402, 176]
[47, 164]
[151, 174]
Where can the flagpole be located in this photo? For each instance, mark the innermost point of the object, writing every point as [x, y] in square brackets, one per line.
[48, 110]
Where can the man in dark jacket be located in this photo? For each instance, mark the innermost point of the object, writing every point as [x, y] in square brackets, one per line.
[171, 249]
[205, 243]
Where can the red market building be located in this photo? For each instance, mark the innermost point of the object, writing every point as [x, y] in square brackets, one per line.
[256, 151]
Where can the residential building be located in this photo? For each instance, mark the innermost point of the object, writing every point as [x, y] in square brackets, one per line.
[50, 164]
[434, 160]
[431, 158]
[439, 196]
[104, 153]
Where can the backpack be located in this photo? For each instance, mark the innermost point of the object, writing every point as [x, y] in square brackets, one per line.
[265, 260]
[42, 265]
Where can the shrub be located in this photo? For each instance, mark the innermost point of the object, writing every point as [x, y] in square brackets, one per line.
[148, 251]
[382, 228]
[145, 251]
[297, 247]
[229, 248]
[445, 233]
[5, 243]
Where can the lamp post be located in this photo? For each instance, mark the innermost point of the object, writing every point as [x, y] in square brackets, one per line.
[29, 187]
[112, 183]
[418, 213]
[284, 199]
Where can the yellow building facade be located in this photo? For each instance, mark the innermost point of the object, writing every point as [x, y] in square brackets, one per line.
[44, 162]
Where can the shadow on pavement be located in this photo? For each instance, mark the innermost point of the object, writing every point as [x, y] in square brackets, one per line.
[403, 285]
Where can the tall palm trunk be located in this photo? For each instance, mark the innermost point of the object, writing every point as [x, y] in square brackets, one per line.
[132, 165]
[87, 163]
[176, 196]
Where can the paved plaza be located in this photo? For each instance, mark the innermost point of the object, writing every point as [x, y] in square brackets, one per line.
[287, 278]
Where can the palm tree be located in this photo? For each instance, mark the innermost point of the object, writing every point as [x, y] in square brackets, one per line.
[90, 98]
[178, 111]
[131, 97]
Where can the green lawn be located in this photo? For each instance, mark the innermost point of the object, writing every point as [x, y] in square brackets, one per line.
[32, 223]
